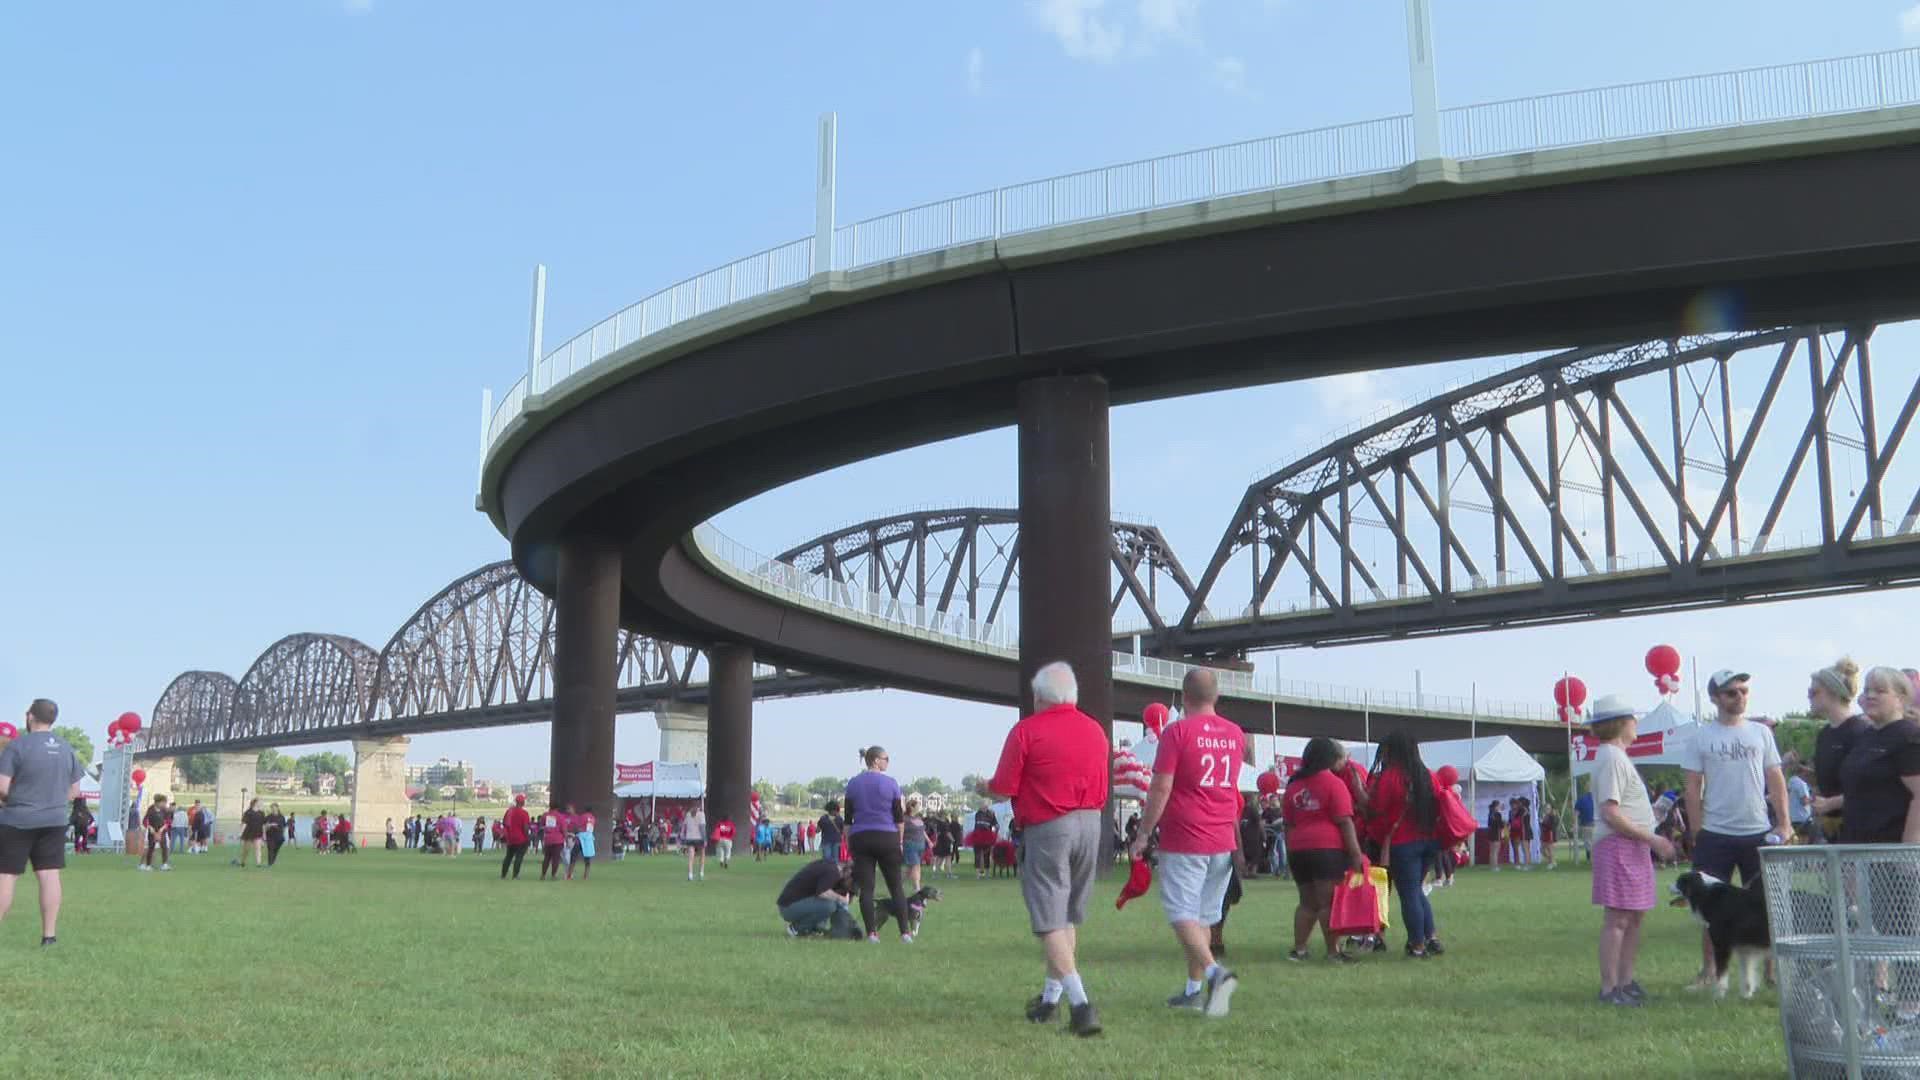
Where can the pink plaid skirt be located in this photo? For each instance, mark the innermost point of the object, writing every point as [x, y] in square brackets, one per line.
[1623, 874]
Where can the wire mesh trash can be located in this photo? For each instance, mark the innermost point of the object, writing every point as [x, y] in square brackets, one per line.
[1846, 947]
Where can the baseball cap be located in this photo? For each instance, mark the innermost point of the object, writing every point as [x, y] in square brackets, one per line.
[1723, 677]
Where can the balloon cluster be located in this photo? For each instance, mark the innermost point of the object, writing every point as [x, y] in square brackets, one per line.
[8, 731]
[1663, 663]
[1570, 694]
[1268, 783]
[122, 730]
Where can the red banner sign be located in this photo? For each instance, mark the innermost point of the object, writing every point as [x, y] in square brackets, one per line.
[632, 774]
[1652, 744]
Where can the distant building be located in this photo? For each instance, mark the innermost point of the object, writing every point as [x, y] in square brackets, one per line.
[934, 802]
[325, 784]
[277, 783]
[535, 792]
[436, 774]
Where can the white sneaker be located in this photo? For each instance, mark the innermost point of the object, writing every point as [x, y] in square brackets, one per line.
[906, 939]
[144, 868]
[166, 866]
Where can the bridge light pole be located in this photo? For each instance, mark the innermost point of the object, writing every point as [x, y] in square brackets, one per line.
[537, 331]
[1426, 96]
[824, 184]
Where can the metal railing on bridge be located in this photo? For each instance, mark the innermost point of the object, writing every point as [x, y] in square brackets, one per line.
[1691, 103]
[850, 601]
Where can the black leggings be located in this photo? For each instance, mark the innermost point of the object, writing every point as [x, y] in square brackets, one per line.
[273, 848]
[550, 857]
[883, 848]
[516, 854]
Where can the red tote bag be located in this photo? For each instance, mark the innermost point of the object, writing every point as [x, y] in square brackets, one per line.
[1356, 905]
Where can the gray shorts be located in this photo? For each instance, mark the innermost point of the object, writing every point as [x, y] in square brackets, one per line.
[1056, 870]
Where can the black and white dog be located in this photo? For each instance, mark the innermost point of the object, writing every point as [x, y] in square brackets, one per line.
[1736, 922]
[916, 909]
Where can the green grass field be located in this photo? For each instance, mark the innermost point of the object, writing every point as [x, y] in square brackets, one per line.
[398, 964]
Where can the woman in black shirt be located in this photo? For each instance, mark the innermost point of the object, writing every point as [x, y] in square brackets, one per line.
[1830, 694]
[276, 833]
[253, 836]
[1880, 776]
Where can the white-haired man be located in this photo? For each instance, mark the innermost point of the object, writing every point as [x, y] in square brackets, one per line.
[1195, 802]
[1054, 768]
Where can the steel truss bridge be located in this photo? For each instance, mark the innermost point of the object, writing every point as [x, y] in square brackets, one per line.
[479, 653]
[1594, 482]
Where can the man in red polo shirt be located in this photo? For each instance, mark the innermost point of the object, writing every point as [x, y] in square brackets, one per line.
[723, 842]
[1054, 768]
[516, 828]
[1195, 801]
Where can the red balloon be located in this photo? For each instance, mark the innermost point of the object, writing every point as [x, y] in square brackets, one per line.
[1154, 716]
[1663, 660]
[8, 731]
[130, 722]
[1570, 693]
[139, 776]
[1268, 783]
[1447, 775]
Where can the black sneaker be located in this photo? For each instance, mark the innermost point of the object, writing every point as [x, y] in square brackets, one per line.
[1083, 1020]
[1193, 1002]
[1434, 948]
[46, 941]
[1041, 1011]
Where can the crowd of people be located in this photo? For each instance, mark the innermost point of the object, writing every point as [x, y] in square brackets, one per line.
[1196, 834]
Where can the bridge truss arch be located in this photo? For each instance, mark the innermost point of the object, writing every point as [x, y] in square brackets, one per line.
[1601, 481]
[195, 707]
[305, 684]
[966, 561]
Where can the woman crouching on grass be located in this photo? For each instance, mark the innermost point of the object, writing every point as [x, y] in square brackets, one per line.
[1624, 847]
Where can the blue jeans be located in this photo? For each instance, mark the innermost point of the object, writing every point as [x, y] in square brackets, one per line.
[1407, 864]
[814, 915]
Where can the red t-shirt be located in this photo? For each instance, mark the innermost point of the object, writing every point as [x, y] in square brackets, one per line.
[553, 827]
[582, 823]
[517, 824]
[1203, 754]
[342, 827]
[723, 831]
[1053, 762]
[1386, 804]
[1313, 808]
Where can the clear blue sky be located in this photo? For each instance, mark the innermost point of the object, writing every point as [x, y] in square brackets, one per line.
[260, 258]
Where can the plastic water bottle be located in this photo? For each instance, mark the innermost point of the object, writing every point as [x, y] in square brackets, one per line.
[1662, 807]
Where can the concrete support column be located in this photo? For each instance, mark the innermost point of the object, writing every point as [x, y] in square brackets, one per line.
[235, 786]
[683, 734]
[729, 773]
[586, 606]
[162, 777]
[1066, 540]
[379, 788]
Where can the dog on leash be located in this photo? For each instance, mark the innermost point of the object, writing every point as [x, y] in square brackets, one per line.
[1737, 926]
[916, 909]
